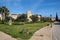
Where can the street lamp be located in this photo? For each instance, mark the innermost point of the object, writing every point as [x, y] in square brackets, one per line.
[51, 19]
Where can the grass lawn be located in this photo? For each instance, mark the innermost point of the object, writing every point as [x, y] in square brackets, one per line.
[14, 30]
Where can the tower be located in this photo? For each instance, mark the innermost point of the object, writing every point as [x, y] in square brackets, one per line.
[28, 15]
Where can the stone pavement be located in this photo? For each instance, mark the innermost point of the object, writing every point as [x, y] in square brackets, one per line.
[4, 36]
[42, 34]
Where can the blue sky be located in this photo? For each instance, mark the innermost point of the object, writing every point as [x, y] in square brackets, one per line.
[41, 7]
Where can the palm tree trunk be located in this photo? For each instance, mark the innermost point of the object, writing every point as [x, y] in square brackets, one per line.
[3, 17]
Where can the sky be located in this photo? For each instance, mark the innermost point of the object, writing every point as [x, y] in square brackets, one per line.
[41, 7]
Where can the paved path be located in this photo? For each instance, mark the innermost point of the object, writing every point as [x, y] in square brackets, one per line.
[4, 36]
[56, 31]
[42, 34]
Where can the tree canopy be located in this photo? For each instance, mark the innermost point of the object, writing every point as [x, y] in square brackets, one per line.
[4, 10]
[34, 18]
[56, 17]
[22, 18]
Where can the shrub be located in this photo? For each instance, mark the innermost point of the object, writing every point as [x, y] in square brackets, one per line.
[25, 32]
[47, 24]
[18, 23]
[21, 23]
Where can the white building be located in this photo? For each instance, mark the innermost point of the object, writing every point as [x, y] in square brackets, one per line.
[0, 17]
[39, 17]
[14, 16]
[28, 15]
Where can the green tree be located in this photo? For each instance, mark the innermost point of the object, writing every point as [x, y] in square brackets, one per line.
[34, 18]
[22, 18]
[56, 17]
[5, 12]
[41, 18]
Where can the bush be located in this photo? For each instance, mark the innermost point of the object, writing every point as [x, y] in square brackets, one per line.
[18, 23]
[47, 24]
[21, 23]
[29, 22]
[0, 22]
[25, 32]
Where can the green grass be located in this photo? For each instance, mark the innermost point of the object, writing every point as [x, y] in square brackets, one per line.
[14, 30]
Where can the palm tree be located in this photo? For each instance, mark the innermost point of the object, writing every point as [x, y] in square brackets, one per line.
[4, 12]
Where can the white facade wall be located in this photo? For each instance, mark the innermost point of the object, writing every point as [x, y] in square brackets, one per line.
[28, 16]
[0, 17]
[14, 16]
[39, 18]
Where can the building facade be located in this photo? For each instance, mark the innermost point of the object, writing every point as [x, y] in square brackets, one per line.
[28, 13]
[14, 16]
[0, 17]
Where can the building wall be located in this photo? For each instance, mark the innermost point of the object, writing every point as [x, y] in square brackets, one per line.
[39, 18]
[0, 17]
[28, 15]
[14, 16]
[53, 19]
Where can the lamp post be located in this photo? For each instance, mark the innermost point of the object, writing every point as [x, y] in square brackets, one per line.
[51, 19]
[56, 16]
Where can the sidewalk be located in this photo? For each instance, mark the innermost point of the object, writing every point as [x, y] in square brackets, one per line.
[42, 34]
[4, 36]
